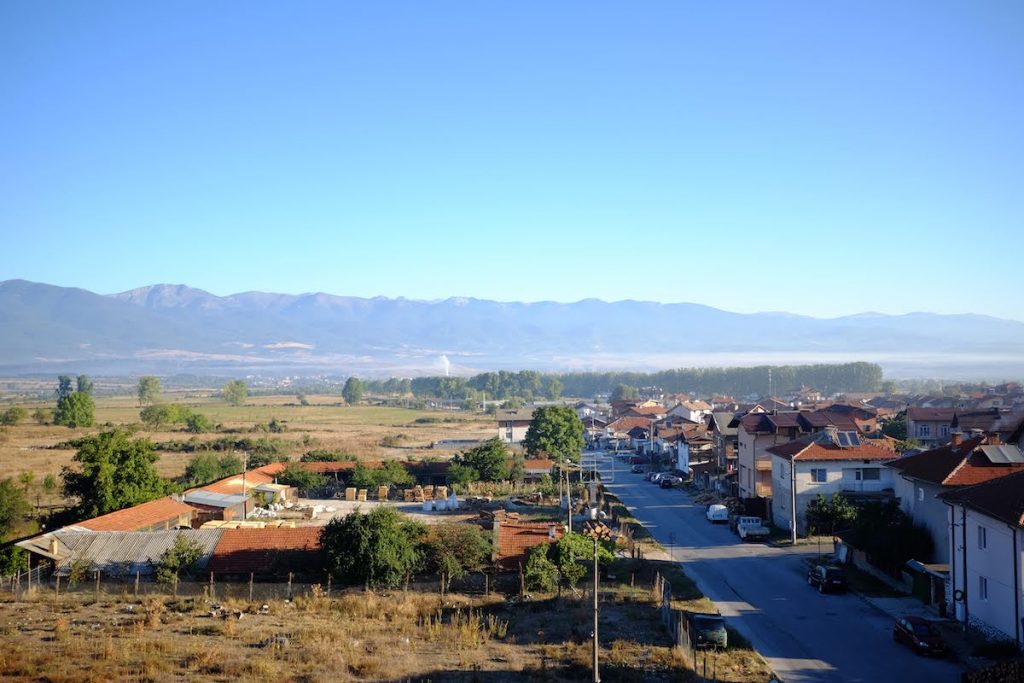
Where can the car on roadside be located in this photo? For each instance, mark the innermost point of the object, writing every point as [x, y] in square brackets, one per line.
[637, 469]
[656, 477]
[717, 513]
[920, 635]
[827, 579]
[705, 630]
[669, 480]
[752, 529]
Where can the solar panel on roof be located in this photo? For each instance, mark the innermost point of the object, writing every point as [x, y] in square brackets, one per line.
[854, 439]
[843, 439]
[1006, 454]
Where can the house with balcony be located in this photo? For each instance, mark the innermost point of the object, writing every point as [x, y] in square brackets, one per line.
[930, 426]
[826, 463]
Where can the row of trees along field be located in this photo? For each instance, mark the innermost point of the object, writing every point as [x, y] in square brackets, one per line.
[529, 384]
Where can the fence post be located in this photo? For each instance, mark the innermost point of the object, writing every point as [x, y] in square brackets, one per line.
[250, 586]
[211, 586]
[328, 585]
[289, 585]
[97, 585]
[56, 591]
[137, 583]
[175, 586]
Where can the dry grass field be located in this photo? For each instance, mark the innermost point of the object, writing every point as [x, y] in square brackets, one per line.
[356, 637]
[323, 424]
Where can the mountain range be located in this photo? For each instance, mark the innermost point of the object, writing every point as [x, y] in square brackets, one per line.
[174, 328]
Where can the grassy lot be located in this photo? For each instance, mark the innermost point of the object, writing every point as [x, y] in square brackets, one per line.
[360, 637]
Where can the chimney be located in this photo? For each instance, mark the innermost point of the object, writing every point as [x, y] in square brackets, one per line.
[992, 440]
[53, 546]
[956, 438]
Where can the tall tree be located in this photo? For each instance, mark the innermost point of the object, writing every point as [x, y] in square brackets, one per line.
[554, 389]
[148, 390]
[75, 410]
[352, 392]
[13, 507]
[556, 431]
[63, 386]
[235, 392]
[624, 392]
[377, 549]
[115, 471]
[453, 550]
[489, 461]
[84, 384]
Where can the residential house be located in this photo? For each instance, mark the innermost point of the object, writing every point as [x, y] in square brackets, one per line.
[825, 463]
[512, 424]
[724, 442]
[922, 477]
[692, 410]
[1001, 422]
[986, 533]
[930, 426]
[622, 431]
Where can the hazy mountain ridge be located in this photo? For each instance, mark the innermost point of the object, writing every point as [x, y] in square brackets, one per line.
[45, 324]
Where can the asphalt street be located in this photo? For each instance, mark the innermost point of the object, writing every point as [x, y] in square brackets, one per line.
[763, 592]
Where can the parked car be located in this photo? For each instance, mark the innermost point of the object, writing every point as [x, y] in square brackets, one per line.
[705, 630]
[656, 477]
[751, 529]
[827, 578]
[636, 469]
[669, 480]
[717, 513]
[921, 635]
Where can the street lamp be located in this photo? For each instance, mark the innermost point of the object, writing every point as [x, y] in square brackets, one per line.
[598, 531]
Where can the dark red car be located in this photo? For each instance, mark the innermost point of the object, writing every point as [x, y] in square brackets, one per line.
[921, 635]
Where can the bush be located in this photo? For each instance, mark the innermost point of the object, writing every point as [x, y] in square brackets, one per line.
[320, 455]
[164, 414]
[540, 572]
[299, 477]
[197, 423]
[13, 416]
[179, 559]
[378, 549]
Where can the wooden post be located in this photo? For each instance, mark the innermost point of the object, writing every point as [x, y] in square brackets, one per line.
[175, 585]
[97, 585]
[211, 586]
[137, 583]
[328, 585]
[250, 586]
[522, 581]
[56, 590]
[487, 583]
[289, 585]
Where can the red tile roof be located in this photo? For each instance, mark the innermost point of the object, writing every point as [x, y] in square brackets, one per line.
[645, 411]
[516, 539]
[819, 450]
[954, 465]
[624, 424]
[266, 551]
[931, 414]
[139, 517]
[539, 464]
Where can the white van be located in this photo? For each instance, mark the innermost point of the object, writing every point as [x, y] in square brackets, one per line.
[717, 513]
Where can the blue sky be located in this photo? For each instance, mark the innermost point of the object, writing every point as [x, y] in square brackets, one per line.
[817, 158]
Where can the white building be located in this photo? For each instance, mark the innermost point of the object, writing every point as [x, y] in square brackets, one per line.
[827, 463]
[986, 537]
[512, 424]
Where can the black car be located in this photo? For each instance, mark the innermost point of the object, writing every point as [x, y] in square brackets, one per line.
[827, 578]
[921, 635]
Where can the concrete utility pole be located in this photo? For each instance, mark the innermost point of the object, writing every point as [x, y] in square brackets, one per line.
[792, 500]
[597, 531]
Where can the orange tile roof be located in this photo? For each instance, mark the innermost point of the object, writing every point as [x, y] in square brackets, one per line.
[624, 424]
[233, 484]
[516, 539]
[815, 450]
[265, 551]
[954, 465]
[139, 516]
[539, 464]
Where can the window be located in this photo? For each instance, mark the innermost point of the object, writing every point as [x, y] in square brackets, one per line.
[819, 475]
[983, 588]
[924, 430]
[982, 538]
[920, 494]
[868, 474]
[944, 430]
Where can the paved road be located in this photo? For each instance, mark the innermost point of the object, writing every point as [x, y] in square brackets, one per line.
[763, 592]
